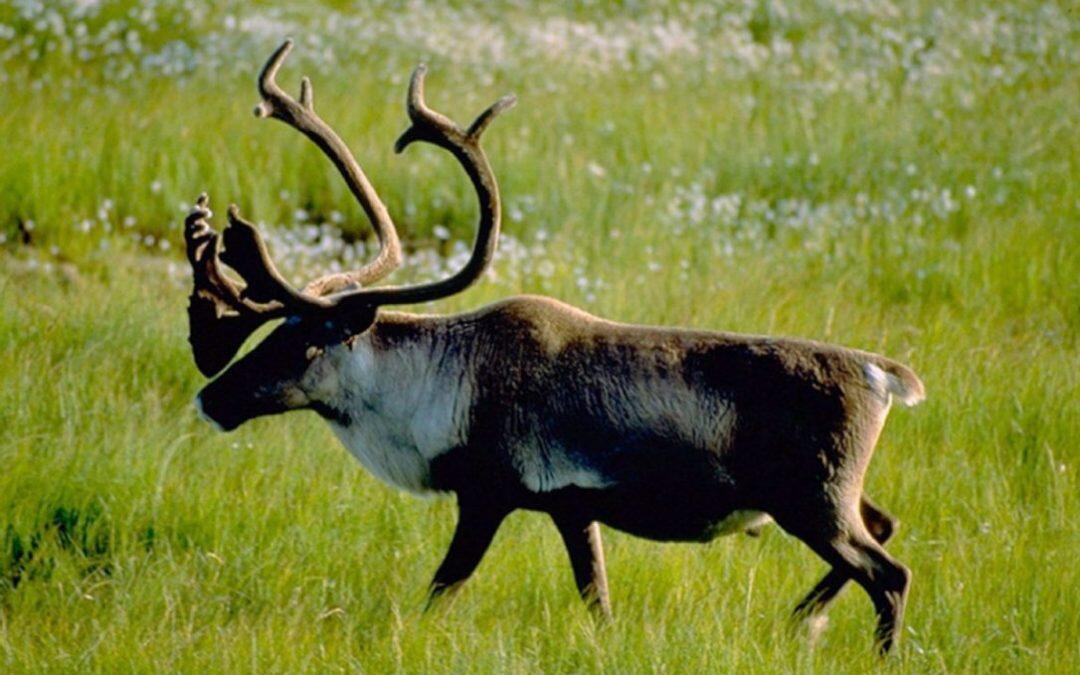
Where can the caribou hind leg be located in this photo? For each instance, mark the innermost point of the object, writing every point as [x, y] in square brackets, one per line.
[845, 541]
[811, 608]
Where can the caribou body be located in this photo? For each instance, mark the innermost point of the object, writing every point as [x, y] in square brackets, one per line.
[529, 403]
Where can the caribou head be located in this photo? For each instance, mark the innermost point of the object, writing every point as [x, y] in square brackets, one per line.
[284, 369]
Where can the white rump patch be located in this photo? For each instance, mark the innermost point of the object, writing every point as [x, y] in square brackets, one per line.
[877, 379]
[887, 385]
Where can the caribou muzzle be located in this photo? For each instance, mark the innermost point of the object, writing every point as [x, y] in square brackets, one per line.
[227, 412]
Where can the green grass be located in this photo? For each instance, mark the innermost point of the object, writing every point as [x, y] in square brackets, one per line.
[134, 538]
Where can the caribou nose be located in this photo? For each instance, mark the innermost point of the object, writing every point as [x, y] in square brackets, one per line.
[200, 408]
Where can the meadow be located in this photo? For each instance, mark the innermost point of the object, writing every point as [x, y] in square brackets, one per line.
[900, 177]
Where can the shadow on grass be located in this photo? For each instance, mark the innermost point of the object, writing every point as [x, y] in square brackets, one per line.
[83, 533]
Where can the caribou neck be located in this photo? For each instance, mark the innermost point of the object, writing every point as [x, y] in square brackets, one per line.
[398, 396]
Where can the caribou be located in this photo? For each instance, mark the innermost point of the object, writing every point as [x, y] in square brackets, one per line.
[670, 434]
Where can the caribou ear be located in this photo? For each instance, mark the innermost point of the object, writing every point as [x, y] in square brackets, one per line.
[359, 320]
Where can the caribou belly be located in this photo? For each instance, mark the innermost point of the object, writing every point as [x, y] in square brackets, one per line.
[736, 522]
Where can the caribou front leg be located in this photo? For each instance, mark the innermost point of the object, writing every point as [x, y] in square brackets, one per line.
[586, 550]
[476, 527]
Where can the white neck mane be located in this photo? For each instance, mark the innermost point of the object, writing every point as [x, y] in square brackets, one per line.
[402, 406]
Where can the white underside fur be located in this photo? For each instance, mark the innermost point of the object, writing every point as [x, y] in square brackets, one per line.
[741, 521]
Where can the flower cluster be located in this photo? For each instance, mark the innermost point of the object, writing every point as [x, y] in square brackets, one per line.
[870, 49]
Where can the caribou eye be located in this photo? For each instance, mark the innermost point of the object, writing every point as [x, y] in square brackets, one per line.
[312, 352]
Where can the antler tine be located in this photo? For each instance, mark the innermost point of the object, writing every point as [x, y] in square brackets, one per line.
[302, 117]
[220, 315]
[484, 119]
[434, 127]
[306, 94]
[211, 282]
[245, 251]
[268, 87]
[427, 125]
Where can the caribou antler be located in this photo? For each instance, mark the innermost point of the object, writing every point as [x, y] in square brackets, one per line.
[302, 117]
[220, 317]
[464, 144]
[223, 312]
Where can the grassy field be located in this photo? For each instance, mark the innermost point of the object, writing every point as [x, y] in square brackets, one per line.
[899, 177]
